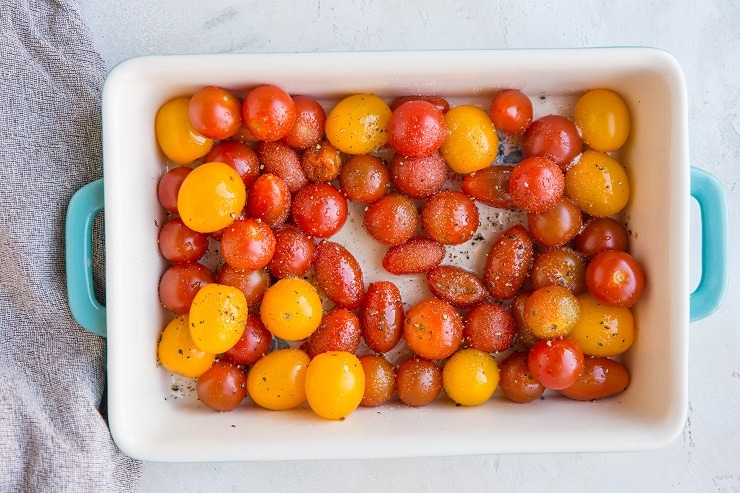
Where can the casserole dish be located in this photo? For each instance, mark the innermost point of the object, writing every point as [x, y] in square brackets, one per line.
[151, 415]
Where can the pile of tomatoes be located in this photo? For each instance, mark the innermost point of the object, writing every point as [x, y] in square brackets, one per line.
[265, 181]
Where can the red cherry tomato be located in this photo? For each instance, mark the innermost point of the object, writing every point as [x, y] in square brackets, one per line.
[293, 255]
[489, 327]
[319, 210]
[433, 329]
[178, 243]
[254, 343]
[308, 128]
[339, 275]
[239, 156]
[283, 161]
[364, 178]
[490, 186]
[169, 186]
[180, 283]
[508, 263]
[418, 177]
[516, 381]
[252, 283]
[554, 137]
[215, 112]
[556, 364]
[457, 286]
[414, 256]
[615, 278]
[247, 244]
[269, 200]
[450, 217]
[223, 386]
[381, 316]
[556, 226]
[339, 331]
[536, 184]
[599, 234]
[416, 128]
[602, 377]
[268, 112]
[418, 381]
[392, 219]
[511, 111]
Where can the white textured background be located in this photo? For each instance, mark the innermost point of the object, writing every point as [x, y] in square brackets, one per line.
[705, 38]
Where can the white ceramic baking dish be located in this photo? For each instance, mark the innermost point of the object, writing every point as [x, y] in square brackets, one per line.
[149, 420]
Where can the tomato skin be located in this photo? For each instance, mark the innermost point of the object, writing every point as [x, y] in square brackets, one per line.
[169, 186]
[418, 381]
[508, 262]
[269, 200]
[180, 283]
[418, 177]
[516, 381]
[392, 219]
[457, 286]
[252, 283]
[178, 353]
[178, 243]
[277, 381]
[254, 343]
[489, 327]
[450, 217]
[536, 184]
[215, 112]
[268, 112]
[335, 384]
[291, 309]
[433, 329]
[615, 278]
[177, 138]
[248, 244]
[283, 161]
[603, 118]
[524, 334]
[357, 124]
[339, 275]
[511, 111]
[551, 311]
[559, 266]
[293, 255]
[308, 128]
[599, 234]
[380, 380]
[470, 377]
[218, 316]
[603, 330]
[490, 186]
[598, 184]
[557, 225]
[554, 137]
[322, 162]
[239, 156]
[319, 210]
[601, 378]
[472, 143]
[416, 128]
[414, 256]
[381, 316]
[223, 386]
[556, 364]
[339, 331]
[211, 197]
[364, 178]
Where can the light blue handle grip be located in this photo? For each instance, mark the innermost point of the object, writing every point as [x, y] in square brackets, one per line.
[85, 204]
[715, 248]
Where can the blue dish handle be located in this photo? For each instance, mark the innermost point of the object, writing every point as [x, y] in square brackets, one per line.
[715, 248]
[84, 206]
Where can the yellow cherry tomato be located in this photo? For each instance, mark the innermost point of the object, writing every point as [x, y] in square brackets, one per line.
[176, 136]
[291, 309]
[277, 381]
[357, 124]
[335, 384]
[470, 376]
[603, 119]
[598, 184]
[211, 197]
[218, 317]
[603, 330]
[472, 143]
[178, 353]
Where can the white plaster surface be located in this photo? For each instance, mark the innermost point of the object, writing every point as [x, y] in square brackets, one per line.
[705, 38]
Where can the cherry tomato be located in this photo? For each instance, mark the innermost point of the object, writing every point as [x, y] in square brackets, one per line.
[602, 377]
[239, 156]
[283, 161]
[180, 283]
[599, 234]
[490, 186]
[293, 255]
[470, 376]
[433, 329]
[268, 112]
[218, 316]
[551, 311]
[536, 184]
[252, 283]
[211, 197]
[450, 217]
[339, 331]
[319, 210]
[178, 243]
[248, 244]
[560, 266]
[215, 112]
[380, 380]
[416, 128]
[508, 263]
[381, 316]
[308, 128]
[364, 178]
[439, 102]
[357, 124]
[457, 286]
[472, 143]
[418, 381]
[254, 343]
[178, 353]
[269, 200]
[615, 278]
[489, 327]
[392, 219]
[603, 330]
[524, 334]
[322, 162]
[557, 225]
[223, 386]
[169, 186]
[339, 275]
[418, 177]
[335, 384]
[603, 119]
[554, 137]
[516, 381]
[414, 256]
[556, 364]
[291, 309]
[277, 381]
[177, 138]
[511, 111]
[598, 184]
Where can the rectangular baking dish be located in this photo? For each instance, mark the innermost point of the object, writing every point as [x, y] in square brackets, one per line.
[151, 421]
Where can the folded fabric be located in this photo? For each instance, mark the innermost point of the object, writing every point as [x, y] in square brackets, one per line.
[53, 435]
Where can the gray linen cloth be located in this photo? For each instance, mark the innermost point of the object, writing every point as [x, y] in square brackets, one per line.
[53, 435]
